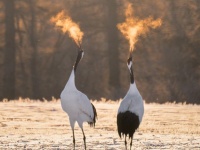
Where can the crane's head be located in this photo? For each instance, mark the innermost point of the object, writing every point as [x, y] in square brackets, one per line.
[81, 53]
[79, 57]
[130, 67]
[129, 62]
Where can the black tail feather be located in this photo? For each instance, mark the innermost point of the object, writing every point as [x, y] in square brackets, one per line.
[95, 117]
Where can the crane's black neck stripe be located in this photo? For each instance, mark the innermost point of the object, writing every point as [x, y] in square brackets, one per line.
[127, 123]
[131, 75]
[79, 56]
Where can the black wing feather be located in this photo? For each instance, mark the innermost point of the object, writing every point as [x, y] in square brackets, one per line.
[127, 123]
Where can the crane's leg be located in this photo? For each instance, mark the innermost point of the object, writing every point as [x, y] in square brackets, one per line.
[73, 138]
[84, 138]
[125, 143]
[131, 142]
[72, 122]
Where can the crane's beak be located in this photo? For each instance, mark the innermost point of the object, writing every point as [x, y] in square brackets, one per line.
[130, 56]
[79, 47]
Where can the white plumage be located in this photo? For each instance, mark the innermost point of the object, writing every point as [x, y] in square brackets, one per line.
[76, 104]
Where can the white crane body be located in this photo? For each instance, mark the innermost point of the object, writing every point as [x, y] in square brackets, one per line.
[131, 109]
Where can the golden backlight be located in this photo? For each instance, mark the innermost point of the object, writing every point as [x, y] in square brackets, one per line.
[65, 23]
[132, 28]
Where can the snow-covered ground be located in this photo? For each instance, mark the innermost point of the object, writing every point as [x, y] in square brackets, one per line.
[26, 124]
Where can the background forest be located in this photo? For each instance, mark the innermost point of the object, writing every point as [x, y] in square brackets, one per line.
[36, 59]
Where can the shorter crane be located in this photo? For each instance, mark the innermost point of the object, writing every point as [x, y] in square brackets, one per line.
[131, 109]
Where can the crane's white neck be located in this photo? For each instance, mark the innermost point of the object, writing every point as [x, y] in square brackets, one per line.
[71, 82]
[133, 88]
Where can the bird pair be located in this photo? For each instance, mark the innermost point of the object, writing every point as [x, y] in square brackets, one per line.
[79, 108]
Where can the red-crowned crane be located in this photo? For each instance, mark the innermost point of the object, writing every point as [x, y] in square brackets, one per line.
[76, 104]
[131, 109]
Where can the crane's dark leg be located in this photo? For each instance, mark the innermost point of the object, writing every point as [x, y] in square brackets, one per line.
[73, 138]
[131, 142]
[125, 143]
[84, 138]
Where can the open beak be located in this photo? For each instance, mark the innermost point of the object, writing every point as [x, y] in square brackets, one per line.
[79, 47]
[130, 55]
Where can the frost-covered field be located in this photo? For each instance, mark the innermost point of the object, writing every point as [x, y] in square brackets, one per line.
[26, 124]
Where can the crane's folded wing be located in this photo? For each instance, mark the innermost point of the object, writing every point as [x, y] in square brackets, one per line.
[85, 105]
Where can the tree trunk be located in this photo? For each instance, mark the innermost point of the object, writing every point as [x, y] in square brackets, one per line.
[9, 57]
[113, 51]
[33, 42]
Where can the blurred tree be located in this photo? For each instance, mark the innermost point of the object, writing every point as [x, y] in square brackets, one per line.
[113, 47]
[9, 53]
[180, 54]
[33, 43]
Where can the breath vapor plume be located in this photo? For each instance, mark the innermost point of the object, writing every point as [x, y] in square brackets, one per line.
[133, 27]
[65, 23]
